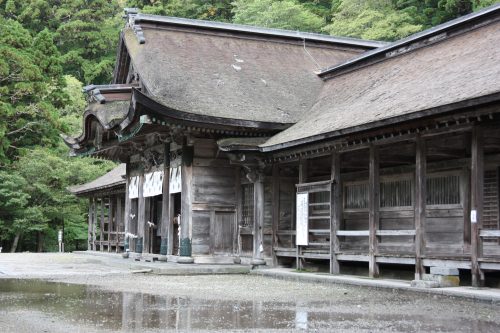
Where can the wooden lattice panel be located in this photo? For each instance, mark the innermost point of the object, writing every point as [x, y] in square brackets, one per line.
[490, 199]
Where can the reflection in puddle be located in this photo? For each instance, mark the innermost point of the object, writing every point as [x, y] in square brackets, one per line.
[87, 305]
[128, 310]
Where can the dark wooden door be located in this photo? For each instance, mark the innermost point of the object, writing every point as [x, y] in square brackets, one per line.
[222, 233]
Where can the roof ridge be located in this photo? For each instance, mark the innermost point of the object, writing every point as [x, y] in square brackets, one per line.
[242, 28]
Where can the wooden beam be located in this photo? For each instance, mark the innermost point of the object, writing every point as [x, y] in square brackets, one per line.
[420, 202]
[335, 212]
[373, 206]
[477, 179]
[354, 233]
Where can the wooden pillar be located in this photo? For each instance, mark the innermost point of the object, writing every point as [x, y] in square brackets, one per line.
[373, 202]
[237, 189]
[302, 179]
[118, 221]
[141, 217]
[166, 222]
[101, 224]
[89, 231]
[185, 249]
[276, 211]
[128, 209]
[147, 229]
[94, 224]
[335, 212]
[477, 180]
[110, 221]
[258, 199]
[420, 202]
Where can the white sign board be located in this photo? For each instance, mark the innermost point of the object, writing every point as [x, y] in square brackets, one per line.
[153, 184]
[473, 216]
[175, 180]
[133, 188]
[302, 237]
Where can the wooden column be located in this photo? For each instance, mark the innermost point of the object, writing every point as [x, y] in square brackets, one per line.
[276, 211]
[420, 201]
[118, 221]
[166, 222]
[141, 217]
[258, 199]
[128, 209]
[477, 180]
[110, 221]
[186, 215]
[101, 224]
[89, 231]
[335, 213]
[373, 203]
[302, 179]
[237, 189]
[147, 229]
[94, 224]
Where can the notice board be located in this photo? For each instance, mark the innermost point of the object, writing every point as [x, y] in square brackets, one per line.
[302, 236]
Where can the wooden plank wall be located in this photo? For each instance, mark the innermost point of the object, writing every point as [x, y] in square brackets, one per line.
[213, 184]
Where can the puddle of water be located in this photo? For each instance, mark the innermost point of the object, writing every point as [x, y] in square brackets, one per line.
[88, 305]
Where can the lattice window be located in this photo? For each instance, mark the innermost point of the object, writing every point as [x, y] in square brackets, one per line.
[356, 196]
[443, 190]
[490, 199]
[247, 205]
[396, 193]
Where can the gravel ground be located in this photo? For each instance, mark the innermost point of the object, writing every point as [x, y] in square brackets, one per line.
[110, 297]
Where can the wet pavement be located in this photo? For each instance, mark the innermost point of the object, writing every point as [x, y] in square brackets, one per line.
[42, 306]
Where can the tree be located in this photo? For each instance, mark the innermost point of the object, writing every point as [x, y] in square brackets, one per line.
[285, 14]
[35, 199]
[377, 20]
[86, 32]
[31, 90]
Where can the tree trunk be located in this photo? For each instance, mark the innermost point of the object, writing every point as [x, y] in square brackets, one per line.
[39, 245]
[14, 243]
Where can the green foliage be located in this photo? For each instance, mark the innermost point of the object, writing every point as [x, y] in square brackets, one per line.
[34, 196]
[394, 19]
[31, 90]
[285, 14]
[86, 32]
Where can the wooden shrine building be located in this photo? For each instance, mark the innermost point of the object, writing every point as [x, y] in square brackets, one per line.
[106, 194]
[291, 148]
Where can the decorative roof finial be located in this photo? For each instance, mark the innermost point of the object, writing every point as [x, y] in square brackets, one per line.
[131, 15]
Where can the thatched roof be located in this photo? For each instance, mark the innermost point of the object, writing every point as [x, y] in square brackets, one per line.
[455, 69]
[232, 71]
[114, 178]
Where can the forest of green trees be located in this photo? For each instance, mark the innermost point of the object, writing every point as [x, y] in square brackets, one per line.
[49, 49]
